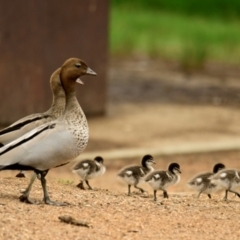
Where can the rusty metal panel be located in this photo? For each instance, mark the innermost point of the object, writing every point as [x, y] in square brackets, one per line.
[36, 37]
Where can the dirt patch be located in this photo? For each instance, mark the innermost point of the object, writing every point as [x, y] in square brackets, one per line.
[111, 214]
[115, 216]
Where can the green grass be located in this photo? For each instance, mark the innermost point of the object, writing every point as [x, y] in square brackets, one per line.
[66, 182]
[209, 8]
[189, 39]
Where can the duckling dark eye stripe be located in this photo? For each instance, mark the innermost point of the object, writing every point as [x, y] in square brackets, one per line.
[27, 139]
[19, 125]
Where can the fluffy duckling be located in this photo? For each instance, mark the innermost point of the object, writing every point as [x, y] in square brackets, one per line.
[202, 184]
[228, 179]
[88, 169]
[160, 180]
[24, 125]
[55, 143]
[132, 175]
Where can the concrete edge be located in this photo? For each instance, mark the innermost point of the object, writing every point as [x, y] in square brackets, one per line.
[186, 148]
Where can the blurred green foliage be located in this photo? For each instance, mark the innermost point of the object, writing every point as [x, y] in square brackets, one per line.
[210, 8]
[190, 39]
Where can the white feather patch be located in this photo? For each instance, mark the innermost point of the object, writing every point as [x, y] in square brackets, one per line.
[157, 176]
[199, 180]
[128, 172]
[85, 164]
[222, 175]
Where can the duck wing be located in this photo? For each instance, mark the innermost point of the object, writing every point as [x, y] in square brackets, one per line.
[23, 126]
[44, 147]
[198, 179]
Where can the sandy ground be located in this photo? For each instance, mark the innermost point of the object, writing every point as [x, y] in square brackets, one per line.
[150, 105]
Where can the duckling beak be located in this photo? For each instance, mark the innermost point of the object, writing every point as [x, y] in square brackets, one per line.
[79, 81]
[179, 170]
[153, 162]
[90, 72]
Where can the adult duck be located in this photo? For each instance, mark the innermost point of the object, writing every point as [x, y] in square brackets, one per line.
[55, 143]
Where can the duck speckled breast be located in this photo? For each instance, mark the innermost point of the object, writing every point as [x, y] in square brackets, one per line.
[78, 126]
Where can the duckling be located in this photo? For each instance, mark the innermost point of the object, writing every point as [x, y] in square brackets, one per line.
[228, 179]
[202, 184]
[160, 180]
[88, 169]
[132, 175]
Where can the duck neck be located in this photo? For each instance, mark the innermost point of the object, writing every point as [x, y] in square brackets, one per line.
[150, 168]
[72, 108]
[174, 172]
[98, 165]
[71, 101]
[147, 167]
[144, 164]
[58, 104]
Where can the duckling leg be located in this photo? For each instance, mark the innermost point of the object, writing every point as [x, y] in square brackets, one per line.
[199, 194]
[25, 196]
[209, 195]
[46, 197]
[226, 194]
[80, 185]
[129, 190]
[142, 191]
[155, 195]
[235, 193]
[88, 184]
[165, 194]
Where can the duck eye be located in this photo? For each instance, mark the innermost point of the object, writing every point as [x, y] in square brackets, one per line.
[78, 65]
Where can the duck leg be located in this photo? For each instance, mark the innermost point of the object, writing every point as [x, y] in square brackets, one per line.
[88, 184]
[226, 194]
[25, 196]
[46, 197]
[199, 194]
[129, 190]
[142, 191]
[165, 194]
[236, 193]
[80, 185]
[155, 195]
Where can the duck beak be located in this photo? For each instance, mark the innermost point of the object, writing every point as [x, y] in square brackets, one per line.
[79, 81]
[179, 170]
[90, 72]
[153, 162]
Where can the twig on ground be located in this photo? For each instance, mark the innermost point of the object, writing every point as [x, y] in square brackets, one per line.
[71, 220]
